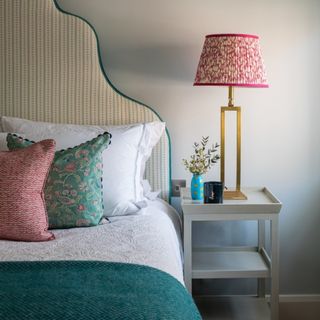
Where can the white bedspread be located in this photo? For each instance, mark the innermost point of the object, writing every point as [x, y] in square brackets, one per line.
[151, 238]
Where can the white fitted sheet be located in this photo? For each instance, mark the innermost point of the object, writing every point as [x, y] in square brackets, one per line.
[152, 238]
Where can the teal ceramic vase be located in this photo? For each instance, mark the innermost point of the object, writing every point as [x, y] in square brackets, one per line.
[197, 187]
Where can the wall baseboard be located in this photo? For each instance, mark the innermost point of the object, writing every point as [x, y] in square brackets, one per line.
[283, 298]
[286, 298]
[298, 298]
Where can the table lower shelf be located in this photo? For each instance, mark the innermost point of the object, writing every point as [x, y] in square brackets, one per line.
[211, 264]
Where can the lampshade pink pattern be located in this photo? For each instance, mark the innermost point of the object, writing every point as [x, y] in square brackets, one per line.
[231, 60]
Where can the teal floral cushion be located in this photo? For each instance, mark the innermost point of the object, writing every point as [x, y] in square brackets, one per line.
[73, 192]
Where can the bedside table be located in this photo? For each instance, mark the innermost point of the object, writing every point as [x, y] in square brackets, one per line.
[234, 262]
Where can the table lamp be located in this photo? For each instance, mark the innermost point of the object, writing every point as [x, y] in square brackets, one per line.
[232, 60]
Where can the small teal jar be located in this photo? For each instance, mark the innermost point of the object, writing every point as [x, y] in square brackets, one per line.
[197, 187]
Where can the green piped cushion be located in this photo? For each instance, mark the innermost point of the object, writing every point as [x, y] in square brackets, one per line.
[73, 191]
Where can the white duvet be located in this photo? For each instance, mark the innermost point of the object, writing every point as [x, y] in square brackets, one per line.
[150, 238]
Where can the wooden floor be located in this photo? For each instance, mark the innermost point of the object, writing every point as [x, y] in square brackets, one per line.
[244, 308]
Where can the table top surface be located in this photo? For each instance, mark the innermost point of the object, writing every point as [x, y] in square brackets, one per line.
[255, 195]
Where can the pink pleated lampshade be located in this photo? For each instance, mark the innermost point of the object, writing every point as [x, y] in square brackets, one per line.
[231, 60]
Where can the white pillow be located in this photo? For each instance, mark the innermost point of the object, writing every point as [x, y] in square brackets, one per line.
[3, 141]
[123, 162]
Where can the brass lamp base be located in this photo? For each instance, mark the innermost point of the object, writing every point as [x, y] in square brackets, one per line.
[234, 195]
[231, 194]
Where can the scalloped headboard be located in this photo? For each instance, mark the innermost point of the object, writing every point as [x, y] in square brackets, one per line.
[51, 70]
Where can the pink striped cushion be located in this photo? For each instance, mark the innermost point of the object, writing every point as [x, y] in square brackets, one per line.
[22, 177]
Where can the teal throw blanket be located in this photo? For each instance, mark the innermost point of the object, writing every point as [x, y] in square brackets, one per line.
[85, 290]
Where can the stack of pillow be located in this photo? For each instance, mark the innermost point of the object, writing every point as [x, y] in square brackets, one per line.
[85, 180]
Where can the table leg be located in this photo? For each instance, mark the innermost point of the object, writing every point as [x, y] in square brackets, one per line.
[261, 244]
[274, 299]
[187, 247]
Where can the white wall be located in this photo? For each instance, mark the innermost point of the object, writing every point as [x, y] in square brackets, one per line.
[150, 50]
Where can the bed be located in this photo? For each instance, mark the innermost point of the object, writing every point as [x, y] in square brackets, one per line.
[129, 266]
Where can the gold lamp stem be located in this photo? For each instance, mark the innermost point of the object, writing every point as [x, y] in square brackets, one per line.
[231, 96]
[236, 194]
